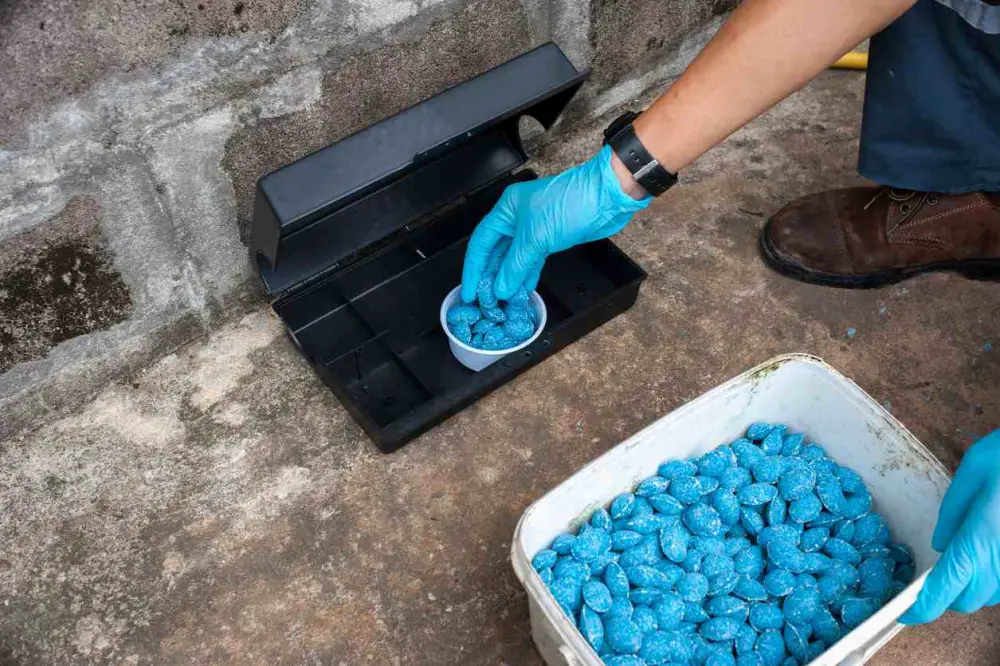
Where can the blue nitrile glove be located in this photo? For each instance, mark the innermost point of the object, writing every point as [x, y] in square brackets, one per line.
[547, 215]
[967, 577]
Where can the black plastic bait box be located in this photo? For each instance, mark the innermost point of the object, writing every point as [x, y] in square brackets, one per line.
[359, 243]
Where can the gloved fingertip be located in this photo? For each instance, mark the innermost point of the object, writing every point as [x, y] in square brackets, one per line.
[911, 619]
[502, 288]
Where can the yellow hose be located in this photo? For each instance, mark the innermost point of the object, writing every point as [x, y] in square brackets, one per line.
[853, 60]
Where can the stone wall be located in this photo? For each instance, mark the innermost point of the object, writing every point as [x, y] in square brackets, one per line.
[133, 134]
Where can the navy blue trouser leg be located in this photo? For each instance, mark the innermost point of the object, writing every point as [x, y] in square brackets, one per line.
[932, 104]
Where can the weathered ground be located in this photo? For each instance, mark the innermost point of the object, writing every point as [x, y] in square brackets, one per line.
[222, 507]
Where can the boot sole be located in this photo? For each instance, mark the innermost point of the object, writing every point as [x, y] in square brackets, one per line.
[973, 269]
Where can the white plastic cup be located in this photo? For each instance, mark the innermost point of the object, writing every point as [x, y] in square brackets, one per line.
[477, 359]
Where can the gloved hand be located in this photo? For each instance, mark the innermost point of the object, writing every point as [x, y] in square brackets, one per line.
[967, 577]
[547, 215]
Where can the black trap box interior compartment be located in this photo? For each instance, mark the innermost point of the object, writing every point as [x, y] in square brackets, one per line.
[359, 243]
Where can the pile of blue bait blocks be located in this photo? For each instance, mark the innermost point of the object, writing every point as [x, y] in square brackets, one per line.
[763, 552]
[491, 324]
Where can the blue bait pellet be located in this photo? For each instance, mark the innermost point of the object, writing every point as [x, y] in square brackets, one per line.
[483, 326]
[826, 627]
[462, 332]
[669, 611]
[647, 552]
[797, 640]
[703, 520]
[715, 462]
[616, 581]
[904, 574]
[805, 509]
[666, 504]
[674, 542]
[765, 616]
[783, 533]
[735, 478]
[624, 539]
[463, 314]
[777, 511]
[674, 469]
[855, 611]
[850, 481]
[686, 489]
[545, 559]
[875, 577]
[673, 572]
[622, 506]
[692, 563]
[757, 494]
[709, 484]
[601, 519]
[598, 566]
[723, 584]
[694, 613]
[844, 530]
[713, 545]
[568, 595]
[772, 444]
[720, 629]
[734, 544]
[477, 341]
[494, 340]
[813, 539]
[693, 587]
[562, 543]
[720, 657]
[790, 661]
[484, 292]
[779, 583]
[792, 446]
[647, 576]
[796, 483]
[623, 635]
[749, 562]
[866, 529]
[830, 587]
[841, 550]
[758, 431]
[645, 596]
[592, 628]
[750, 590]
[802, 605]
[844, 572]
[812, 452]
[737, 531]
[815, 563]
[494, 314]
[771, 648]
[590, 545]
[816, 649]
[747, 453]
[663, 647]
[624, 660]
[769, 469]
[621, 608]
[825, 519]
[806, 580]
[654, 485]
[573, 570]
[717, 564]
[874, 550]
[597, 596]
[785, 555]
[746, 639]
[547, 576]
[727, 506]
[751, 521]
[644, 524]
[642, 508]
[518, 329]
[728, 606]
[645, 619]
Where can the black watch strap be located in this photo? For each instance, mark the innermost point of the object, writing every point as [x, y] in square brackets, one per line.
[620, 135]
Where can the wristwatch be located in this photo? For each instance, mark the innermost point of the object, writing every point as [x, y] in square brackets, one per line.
[620, 135]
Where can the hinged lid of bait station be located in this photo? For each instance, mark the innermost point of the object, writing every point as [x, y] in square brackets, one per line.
[359, 242]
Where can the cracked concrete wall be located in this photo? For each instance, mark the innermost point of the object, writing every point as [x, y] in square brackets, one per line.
[146, 125]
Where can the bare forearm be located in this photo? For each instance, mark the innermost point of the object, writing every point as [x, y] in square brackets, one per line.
[765, 51]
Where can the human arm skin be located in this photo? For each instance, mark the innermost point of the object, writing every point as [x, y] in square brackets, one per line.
[764, 52]
[767, 50]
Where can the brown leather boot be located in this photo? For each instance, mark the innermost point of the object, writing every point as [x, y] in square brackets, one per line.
[874, 236]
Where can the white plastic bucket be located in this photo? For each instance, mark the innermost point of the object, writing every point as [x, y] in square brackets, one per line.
[906, 481]
[477, 359]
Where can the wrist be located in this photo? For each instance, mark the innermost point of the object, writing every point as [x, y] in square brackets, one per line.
[626, 180]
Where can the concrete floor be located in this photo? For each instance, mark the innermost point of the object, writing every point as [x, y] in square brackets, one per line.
[221, 506]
